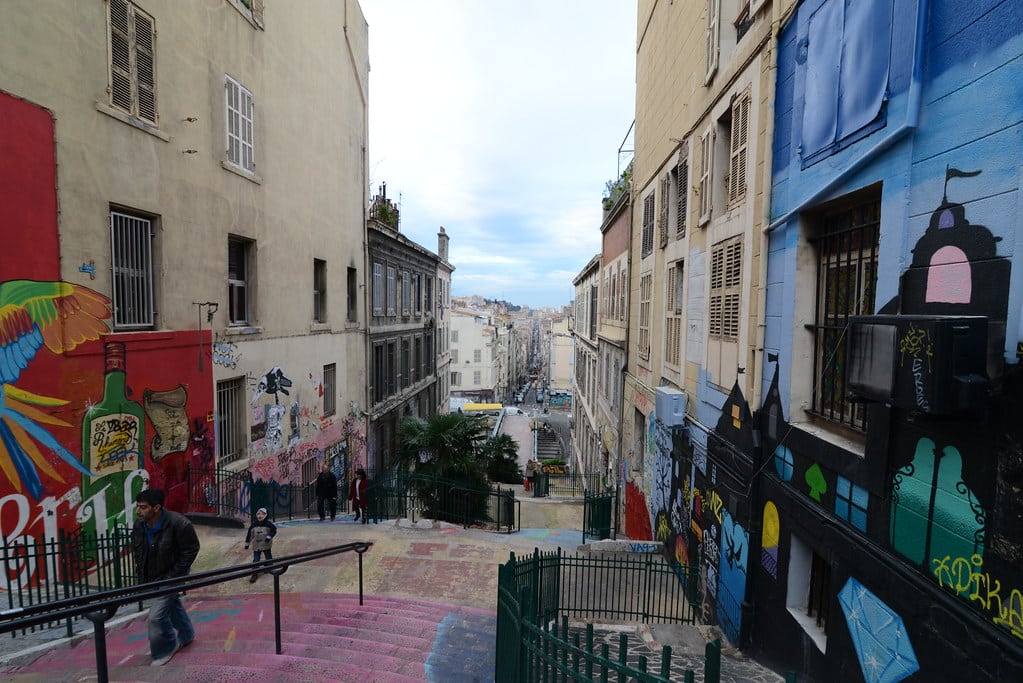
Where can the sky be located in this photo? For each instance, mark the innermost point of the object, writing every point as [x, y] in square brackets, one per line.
[502, 122]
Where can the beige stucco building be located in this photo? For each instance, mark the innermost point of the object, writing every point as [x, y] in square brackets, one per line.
[211, 174]
[585, 439]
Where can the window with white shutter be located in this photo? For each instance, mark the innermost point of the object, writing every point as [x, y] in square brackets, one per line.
[681, 179]
[673, 314]
[706, 171]
[622, 294]
[662, 215]
[713, 37]
[738, 149]
[645, 290]
[240, 120]
[725, 289]
[132, 60]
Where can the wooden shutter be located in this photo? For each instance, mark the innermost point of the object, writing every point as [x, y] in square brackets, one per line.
[120, 56]
[706, 173]
[681, 197]
[145, 67]
[738, 149]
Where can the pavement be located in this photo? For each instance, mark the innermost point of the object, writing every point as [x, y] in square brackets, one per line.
[419, 561]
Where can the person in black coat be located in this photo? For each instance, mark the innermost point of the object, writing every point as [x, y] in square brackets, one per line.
[326, 493]
[164, 545]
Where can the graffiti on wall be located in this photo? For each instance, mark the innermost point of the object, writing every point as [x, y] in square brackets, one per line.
[770, 536]
[881, 640]
[966, 576]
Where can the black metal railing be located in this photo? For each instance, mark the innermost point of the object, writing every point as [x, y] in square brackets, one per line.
[100, 607]
[412, 496]
[599, 519]
[570, 485]
[537, 592]
[72, 564]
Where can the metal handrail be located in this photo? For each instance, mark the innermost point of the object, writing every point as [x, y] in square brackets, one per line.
[99, 607]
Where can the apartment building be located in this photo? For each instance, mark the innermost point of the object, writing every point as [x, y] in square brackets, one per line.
[443, 317]
[561, 353]
[473, 355]
[184, 250]
[889, 505]
[401, 348]
[701, 183]
[586, 434]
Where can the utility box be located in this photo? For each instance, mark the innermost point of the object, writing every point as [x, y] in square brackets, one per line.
[926, 363]
[670, 406]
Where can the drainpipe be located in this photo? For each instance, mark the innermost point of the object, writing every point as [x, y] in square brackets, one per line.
[913, 106]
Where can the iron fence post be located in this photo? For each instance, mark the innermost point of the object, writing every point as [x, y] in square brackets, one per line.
[360, 552]
[98, 620]
[277, 610]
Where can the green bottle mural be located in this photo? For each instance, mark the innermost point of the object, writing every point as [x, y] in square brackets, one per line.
[113, 437]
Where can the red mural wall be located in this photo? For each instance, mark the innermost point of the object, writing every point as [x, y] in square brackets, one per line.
[637, 518]
[86, 416]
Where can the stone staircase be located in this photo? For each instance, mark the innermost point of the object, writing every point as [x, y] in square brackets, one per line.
[324, 637]
[547, 445]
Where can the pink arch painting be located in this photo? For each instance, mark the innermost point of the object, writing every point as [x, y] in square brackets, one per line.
[949, 277]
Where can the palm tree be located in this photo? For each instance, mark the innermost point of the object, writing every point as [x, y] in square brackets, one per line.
[502, 453]
[448, 445]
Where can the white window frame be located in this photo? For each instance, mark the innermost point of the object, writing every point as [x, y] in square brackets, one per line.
[713, 38]
[239, 125]
[131, 257]
[231, 427]
[239, 313]
[645, 291]
[392, 275]
[378, 288]
[132, 60]
[725, 311]
[706, 174]
[673, 314]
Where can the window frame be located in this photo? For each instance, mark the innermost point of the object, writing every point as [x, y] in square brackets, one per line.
[131, 259]
[645, 297]
[319, 291]
[124, 62]
[713, 39]
[392, 284]
[674, 292]
[738, 149]
[352, 307]
[239, 126]
[231, 427]
[647, 246]
[706, 176]
[242, 285]
[329, 389]
[724, 310]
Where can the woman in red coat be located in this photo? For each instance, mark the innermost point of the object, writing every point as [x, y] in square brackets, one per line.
[357, 494]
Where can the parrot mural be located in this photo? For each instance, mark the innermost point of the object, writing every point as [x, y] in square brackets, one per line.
[59, 315]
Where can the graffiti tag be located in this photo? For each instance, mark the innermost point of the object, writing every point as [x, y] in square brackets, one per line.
[966, 577]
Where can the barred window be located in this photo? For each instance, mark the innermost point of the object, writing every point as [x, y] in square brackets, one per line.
[230, 420]
[329, 389]
[131, 247]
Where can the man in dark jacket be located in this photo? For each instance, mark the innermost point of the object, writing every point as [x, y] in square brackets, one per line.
[165, 545]
[326, 492]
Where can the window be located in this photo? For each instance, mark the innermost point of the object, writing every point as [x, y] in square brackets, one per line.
[713, 37]
[477, 356]
[476, 377]
[255, 9]
[329, 389]
[239, 126]
[132, 60]
[392, 367]
[319, 291]
[846, 252]
[454, 355]
[132, 258]
[738, 149]
[809, 590]
[648, 225]
[673, 315]
[379, 373]
[230, 420]
[680, 181]
[663, 214]
[725, 284]
[378, 289]
[622, 294]
[456, 379]
[429, 357]
[417, 292]
[391, 294]
[406, 292]
[454, 337]
[706, 173]
[645, 287]
[593, 312]
[406, 363]
[851, 503]
[353, 296]
[428, 295]
[419, 364]
[238, 255]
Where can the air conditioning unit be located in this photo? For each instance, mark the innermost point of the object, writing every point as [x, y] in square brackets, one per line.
[670, 406]
[930, 364]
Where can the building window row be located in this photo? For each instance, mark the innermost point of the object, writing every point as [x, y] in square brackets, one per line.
[400, 363]
[411, 290]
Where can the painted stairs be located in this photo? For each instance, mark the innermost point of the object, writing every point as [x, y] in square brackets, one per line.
[324, 637]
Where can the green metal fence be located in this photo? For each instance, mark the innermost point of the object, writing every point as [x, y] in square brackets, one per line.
[537, 592]
[599, 519]
[72, 564]
[414, 496]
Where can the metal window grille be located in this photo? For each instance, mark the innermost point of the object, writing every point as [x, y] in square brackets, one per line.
[240, 120]
[230, 420]
[319, 291]
[132, 257]
[237, 281]
[329, 389]
[846, 248]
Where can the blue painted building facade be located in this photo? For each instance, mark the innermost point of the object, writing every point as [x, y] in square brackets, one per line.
[888, 463]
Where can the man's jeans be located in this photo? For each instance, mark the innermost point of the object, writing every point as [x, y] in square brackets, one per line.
[329, 503]
[167, 615]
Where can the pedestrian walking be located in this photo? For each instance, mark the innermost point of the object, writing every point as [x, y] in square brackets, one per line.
[326, 493]
[164, 545]
[260, 536]
[357, 494]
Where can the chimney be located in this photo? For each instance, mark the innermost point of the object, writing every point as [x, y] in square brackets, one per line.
[442, 244]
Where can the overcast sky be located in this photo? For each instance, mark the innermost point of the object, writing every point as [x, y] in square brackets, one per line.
[501, 121]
